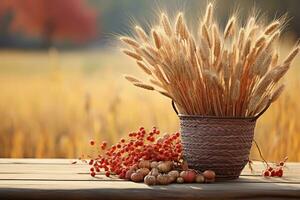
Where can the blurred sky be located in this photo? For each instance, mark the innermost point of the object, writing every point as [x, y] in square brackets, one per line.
[117, 16]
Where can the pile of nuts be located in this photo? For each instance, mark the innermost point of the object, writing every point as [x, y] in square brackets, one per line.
[144, 156]
[140, 145]
[153, 159]
[166, 172]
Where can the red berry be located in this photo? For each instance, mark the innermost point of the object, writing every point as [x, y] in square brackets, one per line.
[273, 173]
[270, 169]
[119, 158]
[103, 145]
[122, 175]
[91, 162]
[93, 174]
[279, 172]
[266, 173]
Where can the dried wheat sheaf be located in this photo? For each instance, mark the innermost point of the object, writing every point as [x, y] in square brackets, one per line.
[234, 72]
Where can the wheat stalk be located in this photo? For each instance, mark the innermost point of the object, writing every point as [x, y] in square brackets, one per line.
[166, 25]
[275, 95]
[130, 42]
[234, 72]
[144, 86]
[132, 79]
[144, 67]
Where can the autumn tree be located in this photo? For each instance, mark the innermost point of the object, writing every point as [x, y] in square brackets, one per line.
[4, 6]
[52, 19]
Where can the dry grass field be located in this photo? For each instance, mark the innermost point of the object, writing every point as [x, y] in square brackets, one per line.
[52, 103]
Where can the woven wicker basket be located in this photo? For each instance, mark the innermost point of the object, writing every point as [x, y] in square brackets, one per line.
[219, 144]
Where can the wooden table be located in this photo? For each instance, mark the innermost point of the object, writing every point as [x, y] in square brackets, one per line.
[59, 179]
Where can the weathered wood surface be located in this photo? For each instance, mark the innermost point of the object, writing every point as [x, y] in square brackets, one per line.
[59, 179]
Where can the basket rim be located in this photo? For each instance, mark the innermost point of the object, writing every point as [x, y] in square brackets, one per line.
[253, 118]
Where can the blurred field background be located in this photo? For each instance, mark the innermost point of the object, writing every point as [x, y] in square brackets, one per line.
[59, 91]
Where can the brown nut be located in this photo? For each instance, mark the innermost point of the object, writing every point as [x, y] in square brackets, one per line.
[165, 167]
[137, 177]
[173, 175]
[154, 164]
[144, 164]
[209, 176]
[154, 172]
[143, 171]
[179, 180]
[199, 178]
[150, 180]
[188, 176]
[163, 179]
[128, 174]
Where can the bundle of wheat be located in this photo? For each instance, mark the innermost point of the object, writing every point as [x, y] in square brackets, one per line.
[230, 73]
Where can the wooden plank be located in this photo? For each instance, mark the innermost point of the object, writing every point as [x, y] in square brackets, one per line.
[87, 177]
[78, 171]
[43, 168]
[291, 170]
[68, 161]
[57, 178]
[129, 190]
[37, 161]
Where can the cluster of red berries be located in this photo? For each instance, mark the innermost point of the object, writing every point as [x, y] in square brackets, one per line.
[276, 171]
[140, 145]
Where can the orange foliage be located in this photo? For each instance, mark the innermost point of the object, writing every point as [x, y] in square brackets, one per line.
[52, 19]
[4, 5]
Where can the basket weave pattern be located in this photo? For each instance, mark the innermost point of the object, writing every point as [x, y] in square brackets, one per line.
[219, 144]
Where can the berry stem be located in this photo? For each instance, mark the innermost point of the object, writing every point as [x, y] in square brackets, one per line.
[260, 153]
